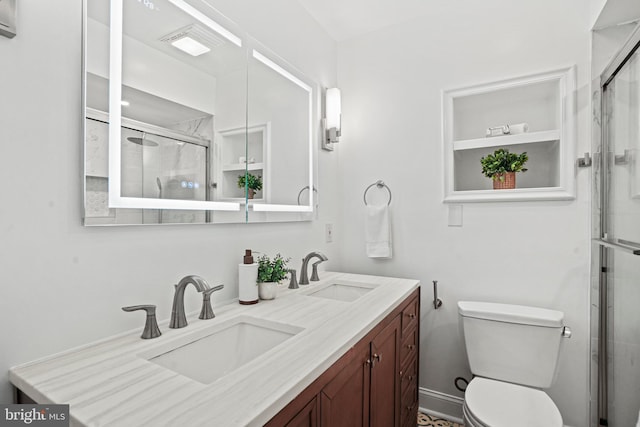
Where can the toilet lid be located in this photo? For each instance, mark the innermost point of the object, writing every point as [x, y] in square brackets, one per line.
[500, 404]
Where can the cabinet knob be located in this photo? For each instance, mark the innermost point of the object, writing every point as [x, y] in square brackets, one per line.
[411, 346]
[377, 358]
[411, 315]
[367, 362]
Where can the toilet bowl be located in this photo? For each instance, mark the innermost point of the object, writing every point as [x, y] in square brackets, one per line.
[513, 353]
[491, 403]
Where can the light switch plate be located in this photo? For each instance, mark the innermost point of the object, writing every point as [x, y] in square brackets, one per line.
[455, 215]
[8, 18]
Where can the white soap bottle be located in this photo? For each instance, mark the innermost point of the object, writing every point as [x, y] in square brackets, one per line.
[247, 280]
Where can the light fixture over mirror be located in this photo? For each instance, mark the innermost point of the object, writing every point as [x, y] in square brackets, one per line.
[333, 125]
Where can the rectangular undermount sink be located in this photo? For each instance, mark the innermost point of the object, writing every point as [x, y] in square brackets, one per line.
[210, 354]
[343, 291]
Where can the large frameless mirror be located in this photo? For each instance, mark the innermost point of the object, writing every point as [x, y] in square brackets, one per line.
[189, 120]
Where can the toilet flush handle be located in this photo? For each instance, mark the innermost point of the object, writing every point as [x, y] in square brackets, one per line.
[566, 332]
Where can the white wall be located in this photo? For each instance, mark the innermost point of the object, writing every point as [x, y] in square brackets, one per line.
[534, 253]
[63, 284]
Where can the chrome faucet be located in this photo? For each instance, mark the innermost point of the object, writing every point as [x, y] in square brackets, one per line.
[178, 317]
[304, 275]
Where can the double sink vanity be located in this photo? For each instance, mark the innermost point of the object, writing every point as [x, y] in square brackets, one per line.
[343, 348]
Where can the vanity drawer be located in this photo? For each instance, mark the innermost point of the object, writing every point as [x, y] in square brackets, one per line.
[409, 376]
[409, 407]
[409, 347]
[410, 316]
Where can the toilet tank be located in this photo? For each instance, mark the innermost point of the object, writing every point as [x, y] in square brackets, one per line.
[513, 343]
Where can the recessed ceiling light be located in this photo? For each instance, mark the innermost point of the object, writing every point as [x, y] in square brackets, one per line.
[124, 103]
[190, 46]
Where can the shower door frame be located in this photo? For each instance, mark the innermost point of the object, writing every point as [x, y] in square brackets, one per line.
[605, 248]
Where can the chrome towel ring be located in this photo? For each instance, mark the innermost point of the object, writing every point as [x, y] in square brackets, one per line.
[380, 184]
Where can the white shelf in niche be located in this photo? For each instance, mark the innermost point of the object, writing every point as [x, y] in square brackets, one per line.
[494, 141]
[234, 167]
[546, 102]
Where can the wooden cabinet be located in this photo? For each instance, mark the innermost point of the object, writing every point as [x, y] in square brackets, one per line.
[307, 417]
[409, 350]
[385, 380]
[344, 401]
[545, 102]
[374, 384]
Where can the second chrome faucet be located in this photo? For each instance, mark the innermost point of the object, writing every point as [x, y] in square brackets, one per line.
[178, 316]
[304, 275]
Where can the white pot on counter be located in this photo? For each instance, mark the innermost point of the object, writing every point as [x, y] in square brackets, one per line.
[267, 290]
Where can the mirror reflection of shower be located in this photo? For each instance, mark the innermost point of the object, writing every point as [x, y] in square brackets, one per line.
[142, 141]
[161, 163]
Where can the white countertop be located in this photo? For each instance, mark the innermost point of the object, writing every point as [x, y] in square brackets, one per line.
[109, 383]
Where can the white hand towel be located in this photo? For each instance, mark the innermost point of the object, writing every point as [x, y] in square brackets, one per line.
[378, 231]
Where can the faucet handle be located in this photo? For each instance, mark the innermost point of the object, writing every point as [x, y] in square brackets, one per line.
[151, 329]
[207, 310]
[293, 284]
[314, 272]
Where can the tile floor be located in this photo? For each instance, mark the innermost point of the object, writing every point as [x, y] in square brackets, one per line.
[429, 420]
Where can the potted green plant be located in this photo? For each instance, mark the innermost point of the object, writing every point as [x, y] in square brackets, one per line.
[501, 167]
[252, 182]
[270, 273]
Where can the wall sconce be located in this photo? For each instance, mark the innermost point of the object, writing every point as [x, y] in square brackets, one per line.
[332, 121]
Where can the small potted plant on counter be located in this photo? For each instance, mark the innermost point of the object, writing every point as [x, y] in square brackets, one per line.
[501, 167]
[252, 182]
[270, 273]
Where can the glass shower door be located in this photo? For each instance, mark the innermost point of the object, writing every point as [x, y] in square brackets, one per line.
[160, 167]
[620, 224]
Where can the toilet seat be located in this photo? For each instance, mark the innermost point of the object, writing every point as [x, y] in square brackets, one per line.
[491, 403]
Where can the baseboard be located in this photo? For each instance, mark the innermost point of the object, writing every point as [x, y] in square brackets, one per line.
[440, 405]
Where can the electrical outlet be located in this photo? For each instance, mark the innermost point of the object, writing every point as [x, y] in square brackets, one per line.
[328, 233]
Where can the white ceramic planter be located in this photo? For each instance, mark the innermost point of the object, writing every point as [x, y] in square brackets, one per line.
[267, 290]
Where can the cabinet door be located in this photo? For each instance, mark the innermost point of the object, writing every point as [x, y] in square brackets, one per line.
[307, 417]
[344, 401]
[385, 387]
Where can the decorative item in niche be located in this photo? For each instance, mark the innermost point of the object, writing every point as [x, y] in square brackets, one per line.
[507, 129]
[251, 182]
[501, 167]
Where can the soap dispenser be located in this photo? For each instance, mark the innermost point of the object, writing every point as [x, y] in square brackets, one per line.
[247, 280]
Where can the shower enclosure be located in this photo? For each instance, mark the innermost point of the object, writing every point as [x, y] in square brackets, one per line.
[616, 251]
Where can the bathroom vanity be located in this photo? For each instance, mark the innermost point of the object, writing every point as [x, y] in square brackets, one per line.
[344, 348]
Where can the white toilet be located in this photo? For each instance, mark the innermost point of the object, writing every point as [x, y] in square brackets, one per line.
[513, 352]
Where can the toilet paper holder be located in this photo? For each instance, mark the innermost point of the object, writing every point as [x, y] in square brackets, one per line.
[437, 302]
